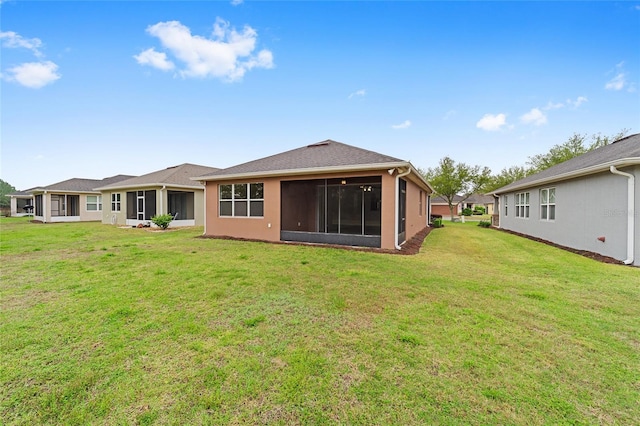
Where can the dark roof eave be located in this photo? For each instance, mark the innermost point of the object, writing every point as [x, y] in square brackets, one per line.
[598, 168]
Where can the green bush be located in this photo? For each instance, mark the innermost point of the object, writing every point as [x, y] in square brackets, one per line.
[466, 212]
[478, 210]
[484, 223]
[162, 220]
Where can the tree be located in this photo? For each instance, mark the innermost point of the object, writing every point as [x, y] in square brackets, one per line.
[505, 177]
[449, 179]
[574, 146]
[5, 189]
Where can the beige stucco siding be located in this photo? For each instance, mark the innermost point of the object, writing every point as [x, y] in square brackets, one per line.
[416, 215]
[161, 206]
[267, 228]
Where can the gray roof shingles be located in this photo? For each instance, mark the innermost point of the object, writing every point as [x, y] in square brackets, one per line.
[628, 147]
[81, 185]
[326, 154]
[177, 175]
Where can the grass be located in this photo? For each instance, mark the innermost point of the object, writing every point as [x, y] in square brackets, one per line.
[101, 325]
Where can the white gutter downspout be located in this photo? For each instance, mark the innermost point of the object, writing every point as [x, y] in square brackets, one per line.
[630, 213]
[398, 176]
[203, 183]
[44, 207]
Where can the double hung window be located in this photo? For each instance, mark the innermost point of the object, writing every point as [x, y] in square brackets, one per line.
[94, 203]
[548, 204]
[522, 204]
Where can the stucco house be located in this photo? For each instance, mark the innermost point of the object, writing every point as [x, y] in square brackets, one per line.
[21, 203]
[440, 206]
[591, 202]
[136, 200]
[72, 200]
[327, 193]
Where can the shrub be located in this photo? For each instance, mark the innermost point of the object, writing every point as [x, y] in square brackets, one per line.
[484, 223]
[466, 212]
[478, 210]
[162, 220]
[437, 223]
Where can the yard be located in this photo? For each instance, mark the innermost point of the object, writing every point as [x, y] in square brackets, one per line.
[103, 325]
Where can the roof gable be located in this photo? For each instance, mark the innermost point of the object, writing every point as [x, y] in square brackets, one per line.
[173, 176]
[322, 155]
[620, 153]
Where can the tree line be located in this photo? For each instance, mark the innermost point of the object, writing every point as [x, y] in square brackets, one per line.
[450, 179]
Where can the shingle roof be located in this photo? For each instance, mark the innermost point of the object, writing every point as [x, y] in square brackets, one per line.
[25, 193]
[174, 176]
[480, 199]
[439, 199]
[621, 153]
[80, 184]
[321, 155]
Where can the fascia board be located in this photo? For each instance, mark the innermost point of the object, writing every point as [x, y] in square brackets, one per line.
[307, 171]
[146, 186]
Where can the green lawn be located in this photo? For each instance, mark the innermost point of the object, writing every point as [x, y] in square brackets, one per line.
[101, 325]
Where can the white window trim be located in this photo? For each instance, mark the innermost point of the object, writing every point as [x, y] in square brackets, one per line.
[97, 203]
[548, 203]
[233, 200]
[116, 202]
[522, 205]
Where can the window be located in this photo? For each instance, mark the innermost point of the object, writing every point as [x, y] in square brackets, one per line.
[242, 200]
[420, 205]
[522, 204]
[506, 205]
[94, 203]
[548, 204]
[115, 202]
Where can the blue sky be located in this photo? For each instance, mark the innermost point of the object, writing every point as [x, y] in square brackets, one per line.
[93, 89]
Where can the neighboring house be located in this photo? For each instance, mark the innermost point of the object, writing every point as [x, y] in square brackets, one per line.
[21, 203]
[440, 206]
[135, 201]
[479, 200]
[328, 193]
[591, 202]
[73, 200]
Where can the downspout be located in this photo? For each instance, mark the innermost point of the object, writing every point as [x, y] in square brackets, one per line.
[395, 234]
[204, 183]
[630, 213]
[44, 207]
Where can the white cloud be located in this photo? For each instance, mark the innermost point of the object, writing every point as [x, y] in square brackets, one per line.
[236, 2]
[619, 80]
[403, 125]
[490, 122]
[155, 59]
[616, 83]
[535, 116]
[361, 92]
[579, 101]
[551, 106]
[228, 54]
[34, 74]
[14, 40]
